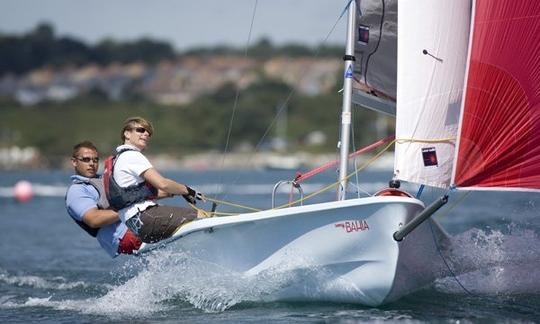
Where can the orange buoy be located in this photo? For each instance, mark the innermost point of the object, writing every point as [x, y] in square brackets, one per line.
[22, 191]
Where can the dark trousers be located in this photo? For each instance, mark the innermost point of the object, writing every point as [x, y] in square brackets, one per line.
[160, 222]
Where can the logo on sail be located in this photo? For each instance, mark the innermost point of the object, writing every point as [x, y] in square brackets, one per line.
[429, 154]
[353, 226]
[363, 35]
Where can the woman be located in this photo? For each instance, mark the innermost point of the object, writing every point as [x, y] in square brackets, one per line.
[135, 184]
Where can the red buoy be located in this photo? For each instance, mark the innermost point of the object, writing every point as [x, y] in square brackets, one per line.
[22, 191]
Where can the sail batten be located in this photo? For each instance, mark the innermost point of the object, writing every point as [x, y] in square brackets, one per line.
[500, 119]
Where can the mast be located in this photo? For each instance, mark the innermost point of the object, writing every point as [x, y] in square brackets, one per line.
[346, 106]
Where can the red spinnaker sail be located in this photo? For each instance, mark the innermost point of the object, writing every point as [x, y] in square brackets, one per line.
[499, 144]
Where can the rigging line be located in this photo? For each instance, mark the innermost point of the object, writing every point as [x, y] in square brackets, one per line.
[447, 211]
[378, 41]
[445, 262]
[201, 213]
[366, 164]
[294, 89]
[439, 249]
[360, 190]
[237, 95]
[302, 76]
[345, 9]
[329, 165]
[222, 202]
[324, 167]
[489, 299]
[207, 214]
[357, 170]
[289, 96]
[332, 185]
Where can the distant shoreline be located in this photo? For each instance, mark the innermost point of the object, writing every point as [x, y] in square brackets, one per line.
[260, 161]
[209, 161]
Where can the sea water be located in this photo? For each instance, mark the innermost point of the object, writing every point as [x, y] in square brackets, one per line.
[51, 271]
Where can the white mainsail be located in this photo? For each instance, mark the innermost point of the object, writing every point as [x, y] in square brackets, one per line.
[433, 39]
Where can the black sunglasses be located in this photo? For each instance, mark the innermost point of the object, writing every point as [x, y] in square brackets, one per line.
[142, 130]
[87, 159]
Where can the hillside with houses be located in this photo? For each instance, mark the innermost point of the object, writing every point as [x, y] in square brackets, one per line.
[55, 91]
[169, 82]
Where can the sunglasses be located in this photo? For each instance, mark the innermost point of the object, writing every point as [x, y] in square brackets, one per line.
[142, 130]
[87, 159]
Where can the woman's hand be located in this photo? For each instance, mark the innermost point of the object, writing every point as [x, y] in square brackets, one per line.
[192, 196]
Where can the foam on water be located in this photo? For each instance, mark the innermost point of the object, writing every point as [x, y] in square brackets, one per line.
[486, 262]
[167, 279]
[174, 275]
[56, 283]
[492, 262]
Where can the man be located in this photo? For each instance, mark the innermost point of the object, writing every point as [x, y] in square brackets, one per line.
[87, 204]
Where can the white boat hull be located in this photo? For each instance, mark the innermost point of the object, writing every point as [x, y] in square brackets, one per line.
[349, 241]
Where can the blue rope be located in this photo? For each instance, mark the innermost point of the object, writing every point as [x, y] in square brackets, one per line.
[345, 9]
[420, 190]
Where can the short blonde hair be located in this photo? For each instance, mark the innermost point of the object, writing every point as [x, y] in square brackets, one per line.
[132, 123]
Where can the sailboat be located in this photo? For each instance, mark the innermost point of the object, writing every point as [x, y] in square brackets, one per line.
[462, 78]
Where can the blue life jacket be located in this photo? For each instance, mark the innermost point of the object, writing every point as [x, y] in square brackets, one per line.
[119, 197]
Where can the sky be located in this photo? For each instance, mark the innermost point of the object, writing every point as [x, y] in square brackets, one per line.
[185, 24]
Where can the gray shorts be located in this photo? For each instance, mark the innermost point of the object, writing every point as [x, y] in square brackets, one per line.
[159, 222]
